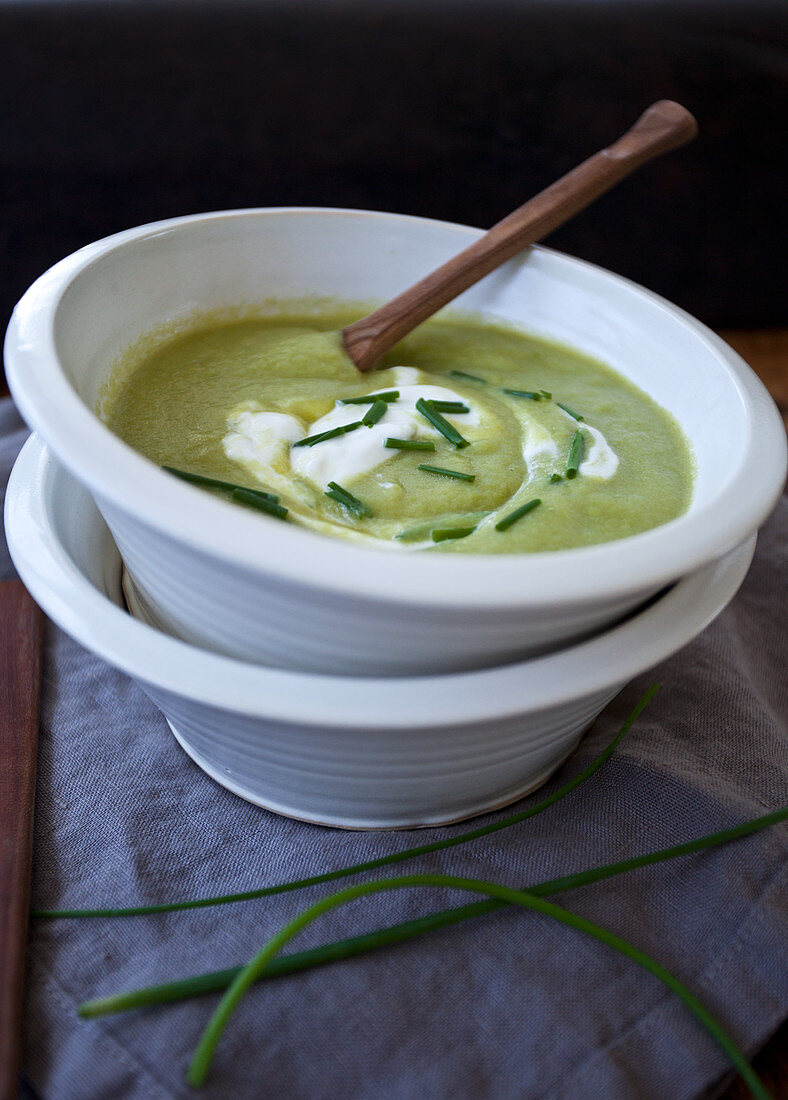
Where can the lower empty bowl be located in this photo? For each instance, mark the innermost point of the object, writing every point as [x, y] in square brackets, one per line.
[352, 752]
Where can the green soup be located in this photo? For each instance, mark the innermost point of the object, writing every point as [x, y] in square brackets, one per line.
[503, 419]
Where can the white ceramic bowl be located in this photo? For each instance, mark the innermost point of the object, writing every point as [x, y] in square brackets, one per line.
[361, 753]
[271, 592]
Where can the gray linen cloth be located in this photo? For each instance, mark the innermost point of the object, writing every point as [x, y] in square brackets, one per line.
[510, 1005]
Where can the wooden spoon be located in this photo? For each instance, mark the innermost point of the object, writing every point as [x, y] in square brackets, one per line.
[21, 633]
[664, 126]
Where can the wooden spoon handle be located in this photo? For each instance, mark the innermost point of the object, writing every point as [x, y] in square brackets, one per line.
[664, 126]
[21, 632]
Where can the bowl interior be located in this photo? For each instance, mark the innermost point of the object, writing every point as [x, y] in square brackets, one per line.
[165, 274]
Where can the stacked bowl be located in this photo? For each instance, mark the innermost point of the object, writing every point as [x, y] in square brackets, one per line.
[325, 680]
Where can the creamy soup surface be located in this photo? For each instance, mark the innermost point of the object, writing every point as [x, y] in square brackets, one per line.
[271, 403]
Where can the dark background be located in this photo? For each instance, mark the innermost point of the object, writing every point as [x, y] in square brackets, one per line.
[118, 113]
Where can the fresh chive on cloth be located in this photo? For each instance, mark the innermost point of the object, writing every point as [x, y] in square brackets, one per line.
[510, 1006]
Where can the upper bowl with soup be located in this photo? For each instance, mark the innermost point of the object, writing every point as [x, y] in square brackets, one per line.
[399, 532]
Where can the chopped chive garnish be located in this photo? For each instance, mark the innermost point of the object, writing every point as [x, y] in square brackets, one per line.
[368, 398]
[471, 377]
[410, 444]
[555, 477]
[374, 413]
[214, 483]
[260, 501]
[546, 394]
[311, 440]
[447, 430]
[571, 412]
[410, 534]
[575, 455]
[507, 521]
[523, 393]
[450, 406]
[441, 534]
[342, 496]
[447, 473]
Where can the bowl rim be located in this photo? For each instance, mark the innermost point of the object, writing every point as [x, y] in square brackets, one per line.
[603, 663]
[125, 480]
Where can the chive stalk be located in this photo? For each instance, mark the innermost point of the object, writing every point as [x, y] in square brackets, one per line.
[343, 429]
[381, 861]
[260, 501]
[203, 1055]
[343, 497]
[531, 394]
[554, 478]
[214, 483]
[575, 455]
[447, 430]
[410, 444]
[546, 394]
[374, 413]
[446, 473]
[216, 980]
[571, 412]
[370, 398]
[512, 517]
